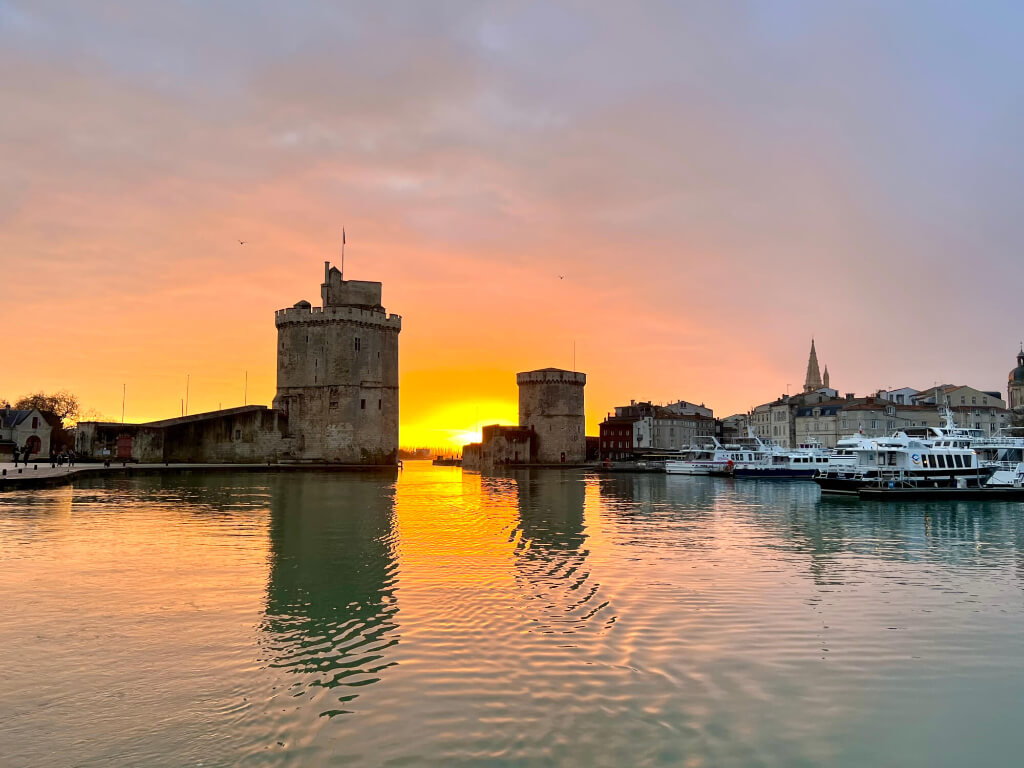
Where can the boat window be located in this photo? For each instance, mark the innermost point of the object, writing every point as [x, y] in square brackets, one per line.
[958, 459]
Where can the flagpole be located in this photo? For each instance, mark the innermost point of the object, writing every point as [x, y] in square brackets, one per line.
[343, 254]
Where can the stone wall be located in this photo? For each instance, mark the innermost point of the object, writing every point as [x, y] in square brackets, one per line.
[551, 404]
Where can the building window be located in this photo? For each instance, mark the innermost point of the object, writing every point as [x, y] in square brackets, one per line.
[357, 343]
[35, 422]
[378, 405]
[362, 404]
[238, 434]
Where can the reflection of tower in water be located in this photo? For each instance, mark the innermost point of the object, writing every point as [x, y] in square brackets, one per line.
[551, 556]
[331, 607]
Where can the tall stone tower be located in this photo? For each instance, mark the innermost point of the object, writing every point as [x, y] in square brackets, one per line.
[337, 374]
[813, 378]
[551, 404]
[1015, 390]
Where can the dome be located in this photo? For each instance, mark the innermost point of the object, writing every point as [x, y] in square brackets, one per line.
[1017, 374]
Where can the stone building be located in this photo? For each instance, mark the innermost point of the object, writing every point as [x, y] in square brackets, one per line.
[337, 395]
[1015, 390]
[551, 404]
[252, 434]
[337, 374]
[551, 424]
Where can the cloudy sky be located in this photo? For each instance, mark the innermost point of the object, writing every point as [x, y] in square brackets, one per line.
[716, 181]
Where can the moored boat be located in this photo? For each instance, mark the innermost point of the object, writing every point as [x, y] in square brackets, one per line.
[905, 461]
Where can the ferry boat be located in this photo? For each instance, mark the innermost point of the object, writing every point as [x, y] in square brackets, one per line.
[778, 463]
[908, 461]
[713, 459]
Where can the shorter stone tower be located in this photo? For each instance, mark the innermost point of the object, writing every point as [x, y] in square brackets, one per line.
[337, 374]
[551, 404]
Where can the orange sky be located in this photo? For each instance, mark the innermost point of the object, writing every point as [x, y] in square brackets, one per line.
[711, 201]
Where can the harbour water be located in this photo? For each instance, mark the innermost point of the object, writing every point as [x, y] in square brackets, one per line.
[539, 618]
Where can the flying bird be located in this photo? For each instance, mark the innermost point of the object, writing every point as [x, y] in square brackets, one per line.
[242, 242]
[561, 277]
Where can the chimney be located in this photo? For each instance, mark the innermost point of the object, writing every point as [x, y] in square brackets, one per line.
[327, 271]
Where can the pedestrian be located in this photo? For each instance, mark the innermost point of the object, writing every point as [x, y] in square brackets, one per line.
[71, 457]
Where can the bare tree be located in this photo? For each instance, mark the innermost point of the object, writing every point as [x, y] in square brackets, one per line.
[63, 405]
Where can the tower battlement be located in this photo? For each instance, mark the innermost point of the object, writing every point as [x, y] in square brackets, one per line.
[303, 313]
[551, 376]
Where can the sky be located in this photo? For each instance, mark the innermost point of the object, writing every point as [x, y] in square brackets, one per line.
[716, 183]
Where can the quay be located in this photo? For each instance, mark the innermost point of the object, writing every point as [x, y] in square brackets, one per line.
[40, 475]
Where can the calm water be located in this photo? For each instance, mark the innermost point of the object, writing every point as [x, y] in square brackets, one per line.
[544, 618]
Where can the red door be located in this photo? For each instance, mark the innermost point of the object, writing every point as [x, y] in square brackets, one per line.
[34, 444]
[124, 446]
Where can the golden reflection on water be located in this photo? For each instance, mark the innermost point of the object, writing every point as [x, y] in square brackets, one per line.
[546, 618]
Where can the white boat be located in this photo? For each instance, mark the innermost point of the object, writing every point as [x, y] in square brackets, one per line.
[778, 463]
[904, 460]
[712, 459]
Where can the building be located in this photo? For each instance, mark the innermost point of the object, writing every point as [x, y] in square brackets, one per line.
[551, 427]
[1015, 390]
[337, 374]
[615, 434]
[336, 402]
[21, 429]
[643, 427]
[955, 394]
[734, 427]
[252, 434]
[551, 405]
[901, 396]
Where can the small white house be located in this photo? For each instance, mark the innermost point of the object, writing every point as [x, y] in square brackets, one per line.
[24, 428]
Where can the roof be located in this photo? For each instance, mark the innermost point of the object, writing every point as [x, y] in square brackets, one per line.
[10, 417]
[182, 419]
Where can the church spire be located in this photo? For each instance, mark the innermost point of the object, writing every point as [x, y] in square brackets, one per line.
[824, 378]
[813, 379]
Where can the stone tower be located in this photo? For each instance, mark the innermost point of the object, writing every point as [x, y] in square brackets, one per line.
[824, 378]
[813, 379]
[337, 374]
[551, 404]
[1015, 390]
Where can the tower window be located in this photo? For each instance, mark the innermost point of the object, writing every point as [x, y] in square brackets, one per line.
[357, 343]
[378, 405]
[362, 404]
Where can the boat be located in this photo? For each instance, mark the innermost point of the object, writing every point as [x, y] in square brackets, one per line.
[780, 464]
[712, 459]
[903, 461]
[1007, 478]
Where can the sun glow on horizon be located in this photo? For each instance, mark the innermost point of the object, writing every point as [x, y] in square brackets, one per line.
[454, 424]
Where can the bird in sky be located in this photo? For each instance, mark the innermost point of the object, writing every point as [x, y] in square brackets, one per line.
[561, 277]
[242, 242]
